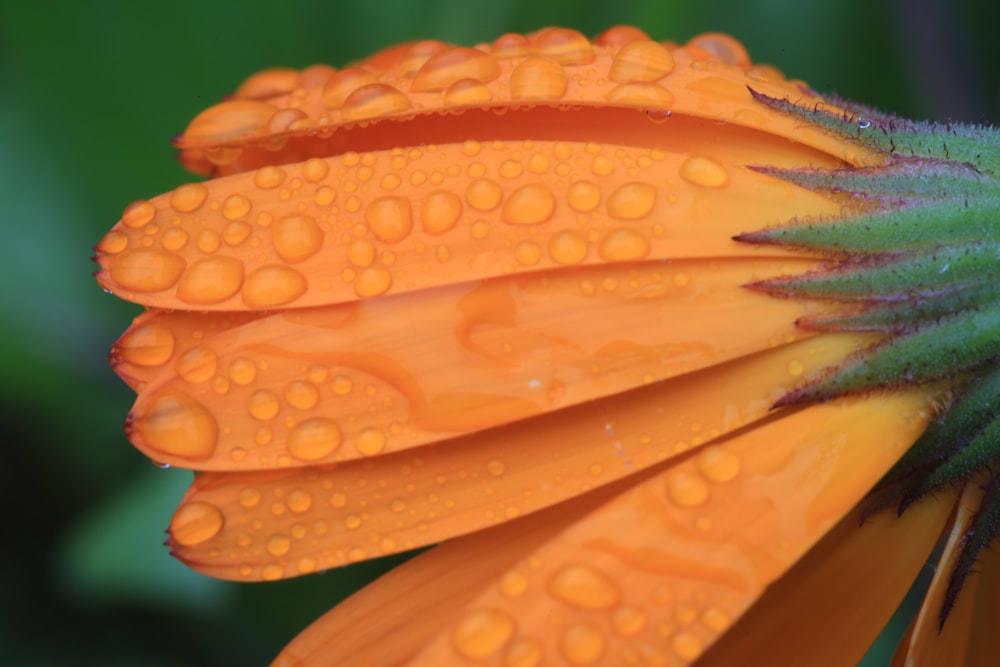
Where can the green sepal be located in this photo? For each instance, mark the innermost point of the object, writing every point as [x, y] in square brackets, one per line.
[981, 533]
[892, 228]
[934, 352]
[961, 143]
[914, 278]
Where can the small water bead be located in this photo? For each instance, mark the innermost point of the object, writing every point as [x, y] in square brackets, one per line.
[567, 247]
[269, 177]
[236, 232]
[641, 61]
[174, 238]
[686, 645]
[623, 244]
[273, 285]
[263, 436]
[138, 214]
[527, 253]
[529, 205]
[279, 545]
[314, 439]
[352, 522]
[370, 441]
[372, 281]
[686, 489]
[654, 99]
[263, 405]
[440, 211]
[147, 345]
[272, 572]
[115, 242]
[584, 196]
[632, 201]
[483, 194]
[513, 584]
[208, 241]
[390, 218]
[235, 207]
[582, 644]
[467, 92]
[147, 270]
[524, 652]
[564, 46]
[306, 565]
[299, 501]
[242, 371]
[718, 464]
[302, 395]
[602, 165]
[188, 198]
[704, 171]
[454, 65]
[195, 523]
[211, 280]
[628, 620]
[249, 497]
[496, 468]
[296, 237]
[373, 100]
[482, 633]
[796, 368]
[342, 385]
[196, 365]
[175, 424]
[716, 619]
[584, 587]
[538, 78]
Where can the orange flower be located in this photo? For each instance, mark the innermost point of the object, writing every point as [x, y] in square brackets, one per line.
[491, 297]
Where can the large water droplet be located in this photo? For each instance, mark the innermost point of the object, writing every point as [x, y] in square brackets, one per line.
[481, 633]
[196, 522]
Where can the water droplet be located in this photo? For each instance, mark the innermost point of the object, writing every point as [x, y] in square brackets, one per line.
[582, 644]
[538, 79]
[374, 99]
[584, 196]
[564, 45]
[718, 464]
[269, 177]
[584, 587]
[527, 253]
[175, 424]
[138, 214]
[196, 523]
[704, 171]
[453, 65]
[314, 439]
[114, 242]
[622, 245]
[302, 395]
[397, 505]
[513, 584]
[278, 545]
[263, 405]
[481, 633]
[370, 441]
[440, 211]
[306, 565]
[242, 371]
[249, 497]
[296, 237]
[864, 123]
[273, 285]
[148, 345]
[495, 468]
[372, 281]
[641, 61]
[483, 194]
[352, 522]
[390, 218]
[529, 205]
[211, 280]
[567, 247]
[467, 93]
[235, 207]
[299, 501]
[686, 645]
[208, 241]
[272, 572]
[796, 368]
[236, 232]
[147, 270]
[716, 619]
[632, 201]
[524, 652]
[196, 365]
[188, 198]
[686, 489]
[628, 620]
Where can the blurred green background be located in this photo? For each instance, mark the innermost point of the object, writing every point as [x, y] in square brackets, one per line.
[90, 95]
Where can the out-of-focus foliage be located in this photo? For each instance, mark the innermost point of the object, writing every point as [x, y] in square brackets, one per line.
[90, 94]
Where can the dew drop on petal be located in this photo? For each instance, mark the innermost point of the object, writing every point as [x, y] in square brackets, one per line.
[622, 245]
[249, 497]
[440, 211]
[513, 584]
[481, 633]
[296, 237]
[302, 395]
[567, 247]
[582, 644]
[524, 652]
[390, 218]
[147, 270]
[195, 523]
[370, 441]
[584, 587]
[138, 214]
[628, 620]
[686, 489]
[148, 345]
[686, 645]
[177, 425]
[718, 464]
[529, 205]
[211, 280]
[278, 545]
[196, 365]
[263, 405]
[314, 439]
[705, 172]
[273, 285]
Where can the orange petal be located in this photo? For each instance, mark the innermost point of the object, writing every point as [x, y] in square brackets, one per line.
[325, 516]
[629, 87]
[393, 373]
[663, 569]
[964, 636]
[345, 228]
[831, 606]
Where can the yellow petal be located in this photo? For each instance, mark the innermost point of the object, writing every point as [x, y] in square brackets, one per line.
[468, 357]
[325, 516]
[663, 569]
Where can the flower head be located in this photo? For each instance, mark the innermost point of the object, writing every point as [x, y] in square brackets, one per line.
[631, 327]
